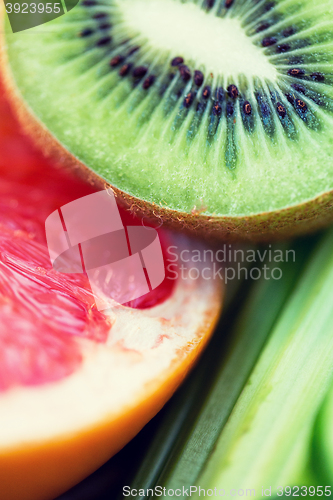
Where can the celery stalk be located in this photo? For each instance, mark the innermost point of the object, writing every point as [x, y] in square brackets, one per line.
[322, 443]
[284, 392]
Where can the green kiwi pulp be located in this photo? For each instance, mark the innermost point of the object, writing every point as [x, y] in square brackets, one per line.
[216, 113]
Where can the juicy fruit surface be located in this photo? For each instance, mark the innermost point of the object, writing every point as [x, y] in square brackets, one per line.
[76, 385]
[222, 106]
[42, 312]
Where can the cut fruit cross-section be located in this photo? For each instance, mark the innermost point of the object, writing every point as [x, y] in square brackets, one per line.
[77, 384]
[214, 115]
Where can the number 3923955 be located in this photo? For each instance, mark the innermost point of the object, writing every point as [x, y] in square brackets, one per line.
[33, 8]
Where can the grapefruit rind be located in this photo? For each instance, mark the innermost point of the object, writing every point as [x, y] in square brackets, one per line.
[54, 435]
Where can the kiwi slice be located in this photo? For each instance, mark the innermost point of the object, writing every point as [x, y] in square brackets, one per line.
[215, 115]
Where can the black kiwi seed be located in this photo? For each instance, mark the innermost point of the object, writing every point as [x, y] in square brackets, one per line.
[228, 3]
[176, 61]
[281, 109]
[232, 91]
[284, 47]
[86, 32]
[133, 50]
[100, 15]
[262, 27]
[301, 105]
[104, 26]
[125, 69]
[247, 108]
[268, 41]
[288, 32]
[188, 100]
[296, 72]
[290, 98]
[317, 77]
[105, 40]
[140, 71]
[247, 116]
[298, 88]
[185, 72]
[149, 81]
[198, 78]
[217, 109]
[116, 60]
[206, 92]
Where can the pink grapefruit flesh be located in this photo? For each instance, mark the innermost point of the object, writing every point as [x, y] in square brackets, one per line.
[77, 384]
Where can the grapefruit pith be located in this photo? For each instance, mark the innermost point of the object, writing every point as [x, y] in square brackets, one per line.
[77, 384]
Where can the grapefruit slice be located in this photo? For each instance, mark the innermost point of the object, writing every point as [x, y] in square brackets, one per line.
[77, 384]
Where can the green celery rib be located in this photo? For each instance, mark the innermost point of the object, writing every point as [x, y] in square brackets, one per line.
[321, 460]
[200, 410]
[260, 446]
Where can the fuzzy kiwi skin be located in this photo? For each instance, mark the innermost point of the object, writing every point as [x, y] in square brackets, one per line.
[266, 226]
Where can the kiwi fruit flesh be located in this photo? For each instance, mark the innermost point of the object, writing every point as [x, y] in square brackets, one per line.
[214, 115]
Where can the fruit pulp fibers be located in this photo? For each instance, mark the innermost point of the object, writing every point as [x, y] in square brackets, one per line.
[42, 312]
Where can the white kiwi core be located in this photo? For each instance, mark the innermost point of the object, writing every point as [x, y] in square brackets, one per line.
[218, 44]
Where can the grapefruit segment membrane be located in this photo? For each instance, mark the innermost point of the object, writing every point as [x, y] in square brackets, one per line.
[76, 384]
